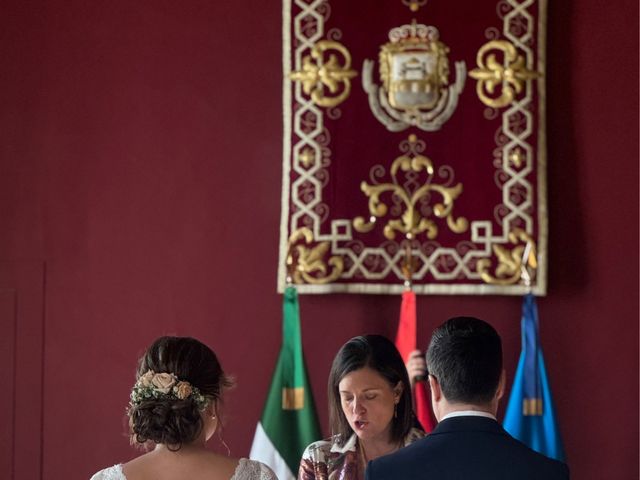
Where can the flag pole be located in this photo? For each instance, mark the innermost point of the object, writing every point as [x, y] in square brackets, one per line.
[406, 337]
[527, 259]
[407, 267]
[530, 414]
[289, 421]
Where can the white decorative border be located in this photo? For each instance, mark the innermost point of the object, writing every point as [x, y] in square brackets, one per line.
[341, 229]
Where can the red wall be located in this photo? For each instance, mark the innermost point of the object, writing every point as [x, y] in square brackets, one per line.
[140, 166]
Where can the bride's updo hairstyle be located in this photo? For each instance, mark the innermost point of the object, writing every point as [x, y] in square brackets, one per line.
[177, 378]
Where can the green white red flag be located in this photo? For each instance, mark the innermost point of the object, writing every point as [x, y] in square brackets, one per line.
[289, 422]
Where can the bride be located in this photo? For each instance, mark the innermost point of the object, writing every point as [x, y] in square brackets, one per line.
[173, 411]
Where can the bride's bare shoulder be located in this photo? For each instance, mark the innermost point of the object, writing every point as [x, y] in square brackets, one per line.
[203, 465]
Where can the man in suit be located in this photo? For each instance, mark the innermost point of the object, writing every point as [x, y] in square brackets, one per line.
[464, 361]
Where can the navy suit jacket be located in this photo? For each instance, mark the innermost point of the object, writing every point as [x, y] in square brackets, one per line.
[467, 448]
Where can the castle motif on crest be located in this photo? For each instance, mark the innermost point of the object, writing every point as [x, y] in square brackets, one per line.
[414, 72]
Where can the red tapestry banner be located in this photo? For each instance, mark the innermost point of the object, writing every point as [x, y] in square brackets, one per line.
[414, 147]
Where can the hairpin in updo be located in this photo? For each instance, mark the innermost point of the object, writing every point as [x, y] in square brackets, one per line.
[154, 386]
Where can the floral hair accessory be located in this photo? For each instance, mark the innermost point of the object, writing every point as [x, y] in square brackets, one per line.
[153, 386]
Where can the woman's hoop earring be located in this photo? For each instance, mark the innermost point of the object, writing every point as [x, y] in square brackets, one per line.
[395, 410]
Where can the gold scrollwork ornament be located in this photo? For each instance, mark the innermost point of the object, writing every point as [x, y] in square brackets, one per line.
[511, 262]
[505, 79]
[411, 222]
[306, 264]
[317, 75]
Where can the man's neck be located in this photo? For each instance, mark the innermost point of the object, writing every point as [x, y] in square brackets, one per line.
[447, 408]
[469, 413]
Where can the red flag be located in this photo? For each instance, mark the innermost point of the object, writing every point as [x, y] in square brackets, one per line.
[406, 343]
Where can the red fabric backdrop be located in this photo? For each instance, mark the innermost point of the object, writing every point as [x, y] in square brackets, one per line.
[468, 151]
[124, 127]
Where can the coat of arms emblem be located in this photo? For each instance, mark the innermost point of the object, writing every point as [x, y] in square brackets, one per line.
[414, 70]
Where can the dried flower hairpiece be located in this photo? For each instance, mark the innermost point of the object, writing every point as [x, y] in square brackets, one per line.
[154, 385]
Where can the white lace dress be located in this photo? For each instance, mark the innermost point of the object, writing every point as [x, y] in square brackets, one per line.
[246, 470]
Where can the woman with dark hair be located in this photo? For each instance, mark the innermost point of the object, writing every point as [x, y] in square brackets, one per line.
[370, 411]
[173, 410]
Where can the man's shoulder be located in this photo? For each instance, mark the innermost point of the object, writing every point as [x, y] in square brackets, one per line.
[405, 463]
[518, 457]
[456, 451]
[404, 456]
[532, 459]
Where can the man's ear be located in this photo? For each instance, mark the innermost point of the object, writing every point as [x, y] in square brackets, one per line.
[501, 385]
[436, 391]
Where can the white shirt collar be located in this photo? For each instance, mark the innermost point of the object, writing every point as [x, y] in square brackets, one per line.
[468, 413]
[350, 445]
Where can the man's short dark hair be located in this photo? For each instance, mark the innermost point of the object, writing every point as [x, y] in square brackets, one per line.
[465, 356]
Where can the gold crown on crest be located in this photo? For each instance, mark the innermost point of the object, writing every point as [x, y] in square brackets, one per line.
[414, 33]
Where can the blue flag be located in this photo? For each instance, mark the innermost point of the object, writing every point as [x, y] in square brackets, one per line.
[531, 416]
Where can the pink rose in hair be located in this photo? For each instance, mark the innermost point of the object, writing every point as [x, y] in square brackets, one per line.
[145, 380]
[183, 390]
[163, 382]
